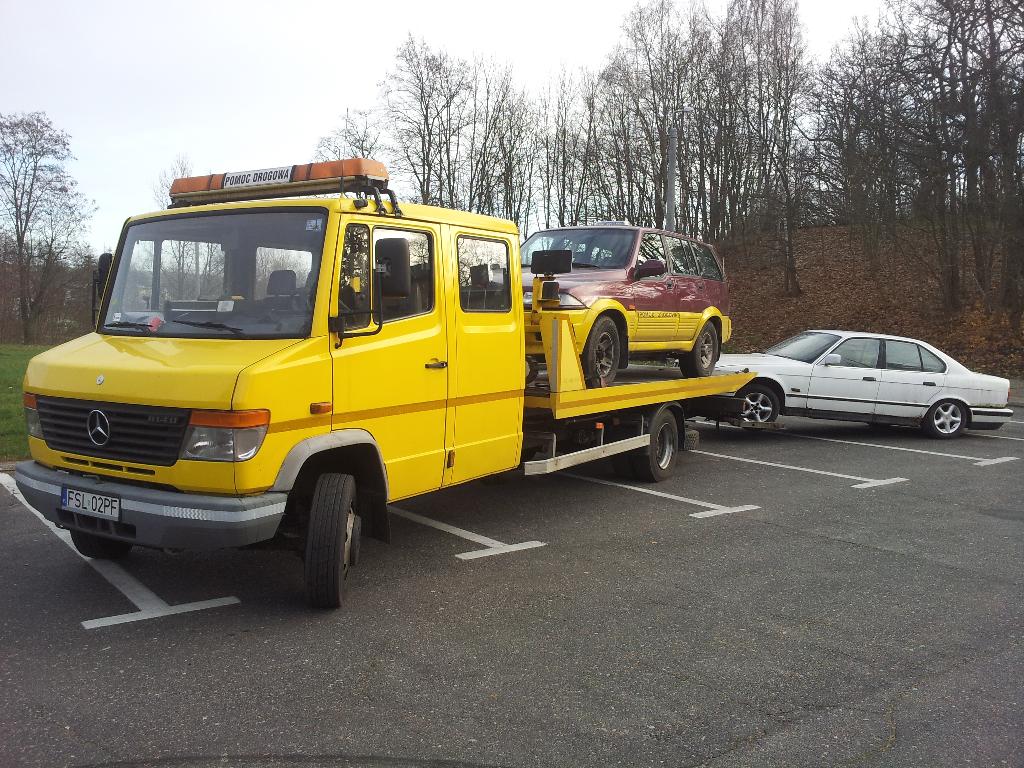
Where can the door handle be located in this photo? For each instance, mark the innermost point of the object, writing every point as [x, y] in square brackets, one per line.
[437, 364]
[930, 384]
[670, 284]
[870, 378]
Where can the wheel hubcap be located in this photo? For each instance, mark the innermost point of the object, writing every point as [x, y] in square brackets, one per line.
[665, 448]
[947, 418]
[707, 350]
[757, 406]
[604, 354]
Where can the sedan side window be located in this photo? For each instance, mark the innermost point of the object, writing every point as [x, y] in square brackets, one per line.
[931, 363]
[681, 257]
[858, 353]
[902, 356]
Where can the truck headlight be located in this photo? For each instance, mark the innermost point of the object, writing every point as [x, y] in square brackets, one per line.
[225, 435]
[35, 427]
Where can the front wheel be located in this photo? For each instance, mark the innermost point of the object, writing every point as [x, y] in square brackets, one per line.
[602, 353]
[945, 419]
[700, 361]
[332, 543]
[760, 404]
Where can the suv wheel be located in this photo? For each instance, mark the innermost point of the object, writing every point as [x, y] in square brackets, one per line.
[602, 353]
[700, 361]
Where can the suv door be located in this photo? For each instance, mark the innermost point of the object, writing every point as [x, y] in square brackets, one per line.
[395, 384]
[687, 286]
[655, 304]
[852, 385]
[911, 380]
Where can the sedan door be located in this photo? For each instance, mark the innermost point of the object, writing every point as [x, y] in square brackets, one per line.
[911, 382]
[850, 386]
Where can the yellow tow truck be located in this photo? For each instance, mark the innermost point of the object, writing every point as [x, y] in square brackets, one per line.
[267, 368]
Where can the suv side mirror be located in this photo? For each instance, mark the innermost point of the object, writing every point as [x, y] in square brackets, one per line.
[650, 268]
[391, 259]
[832, 359]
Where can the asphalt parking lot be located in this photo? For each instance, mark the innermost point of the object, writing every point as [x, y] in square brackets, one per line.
[826, 595]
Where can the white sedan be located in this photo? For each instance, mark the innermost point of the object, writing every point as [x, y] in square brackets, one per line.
[871, 378]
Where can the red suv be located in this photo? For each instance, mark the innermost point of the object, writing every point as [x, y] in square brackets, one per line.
[640, 293]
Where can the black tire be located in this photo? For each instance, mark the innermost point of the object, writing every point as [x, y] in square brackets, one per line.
[700, 361]
[602, 353]
[946, 419]
[760, 403]
[99, 547]
[328, 544]
[656, 462]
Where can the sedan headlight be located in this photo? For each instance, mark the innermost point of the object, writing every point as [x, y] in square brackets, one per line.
[225, 435]
[35, 427]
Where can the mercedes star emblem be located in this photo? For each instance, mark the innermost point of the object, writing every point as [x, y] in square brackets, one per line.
[98, 427]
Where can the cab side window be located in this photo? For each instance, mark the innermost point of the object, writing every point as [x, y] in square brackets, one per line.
[902, 356]
[483, 275]
[354, 286]
[421, 264]
[680, 257]
[651, 247]
[707, 262]
[858, 353]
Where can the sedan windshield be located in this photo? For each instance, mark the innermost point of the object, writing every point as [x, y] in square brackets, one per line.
[805, 347]
[250, 274]
[600, 247]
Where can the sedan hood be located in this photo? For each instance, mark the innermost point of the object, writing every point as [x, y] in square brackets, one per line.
[761, 363]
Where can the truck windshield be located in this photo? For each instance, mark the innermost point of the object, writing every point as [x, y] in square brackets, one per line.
[601, 247]
[805, 347]
[248, 274]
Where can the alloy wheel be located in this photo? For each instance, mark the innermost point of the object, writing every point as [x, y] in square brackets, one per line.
[757, 406]
[947, 418]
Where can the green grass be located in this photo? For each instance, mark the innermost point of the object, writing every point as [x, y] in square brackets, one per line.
[13, 361]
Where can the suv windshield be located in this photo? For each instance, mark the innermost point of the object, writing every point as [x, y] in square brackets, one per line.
[806, 347]
[602, 247]
[250, 274]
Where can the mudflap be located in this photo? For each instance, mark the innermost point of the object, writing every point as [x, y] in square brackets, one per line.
[373, 508]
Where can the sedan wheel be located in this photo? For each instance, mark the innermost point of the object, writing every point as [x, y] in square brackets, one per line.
[760, 404]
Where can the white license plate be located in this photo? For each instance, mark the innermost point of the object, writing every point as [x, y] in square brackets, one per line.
[88, 503]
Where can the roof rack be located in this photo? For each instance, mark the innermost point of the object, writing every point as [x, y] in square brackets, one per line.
[366, 178]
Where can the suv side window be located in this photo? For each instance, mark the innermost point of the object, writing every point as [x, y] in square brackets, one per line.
[421, 264]
[902, 356]
[708, 263]
[680, 256]
[859, 353]
[651, 247]
[354, 286]
[931, 363]
[483, 275]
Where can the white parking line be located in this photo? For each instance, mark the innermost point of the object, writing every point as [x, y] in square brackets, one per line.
[711, 510]
[864, 482]
[493, 546]
[149, 604]
[978, 460]
[997, 437]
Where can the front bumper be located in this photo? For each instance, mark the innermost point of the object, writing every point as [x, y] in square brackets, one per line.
[155, 518]
[990, 418]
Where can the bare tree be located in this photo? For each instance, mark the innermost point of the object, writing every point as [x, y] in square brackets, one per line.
[357, 136]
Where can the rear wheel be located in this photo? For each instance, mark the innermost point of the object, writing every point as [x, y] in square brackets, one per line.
[331, 539]
[945, 419]
[700, 361]
[602, 353]
[98, 547]
[656, 462]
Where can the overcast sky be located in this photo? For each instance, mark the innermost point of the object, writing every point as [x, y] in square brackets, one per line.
[241, 85]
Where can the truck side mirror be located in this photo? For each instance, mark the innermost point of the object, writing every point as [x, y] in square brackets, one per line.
[99, 282]
[650, 268]
[391, 260]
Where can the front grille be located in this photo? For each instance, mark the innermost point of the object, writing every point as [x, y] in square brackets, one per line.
[139, 433]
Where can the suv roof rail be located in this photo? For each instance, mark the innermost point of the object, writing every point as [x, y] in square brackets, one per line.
[612, 224]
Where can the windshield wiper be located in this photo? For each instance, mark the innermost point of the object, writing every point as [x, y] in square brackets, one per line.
[208, 324]
[128, 324]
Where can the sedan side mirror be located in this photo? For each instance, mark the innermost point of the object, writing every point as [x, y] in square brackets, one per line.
[650, 268]
[832, 359]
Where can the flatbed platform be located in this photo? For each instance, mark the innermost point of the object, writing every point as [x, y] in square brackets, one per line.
[635, 386]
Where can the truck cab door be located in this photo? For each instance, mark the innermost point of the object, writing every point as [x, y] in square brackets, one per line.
[487, 366]
[394, 384]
